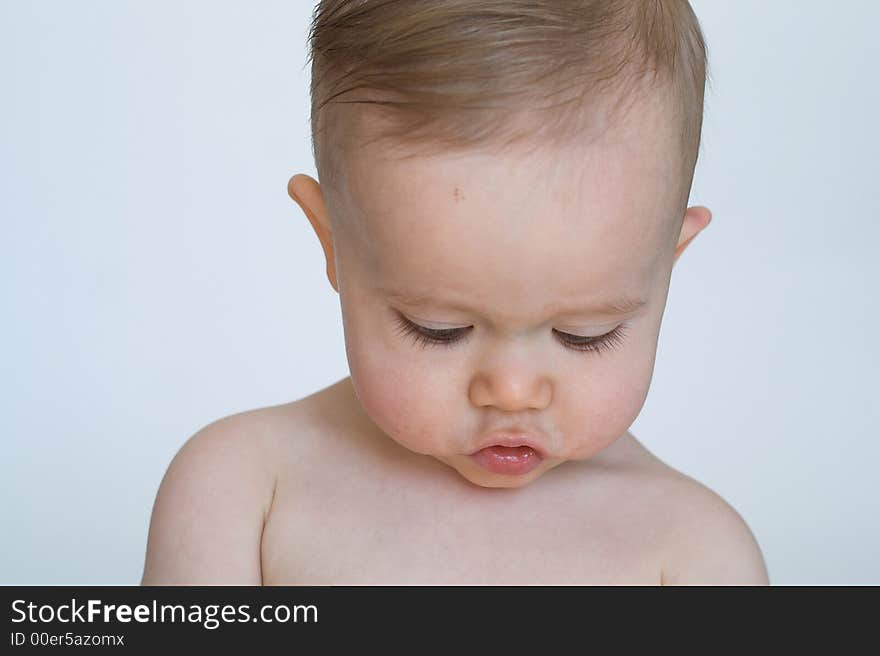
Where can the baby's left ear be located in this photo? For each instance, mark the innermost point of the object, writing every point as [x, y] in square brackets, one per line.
[695, 219]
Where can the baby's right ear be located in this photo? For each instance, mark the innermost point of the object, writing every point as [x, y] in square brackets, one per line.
[306, 191]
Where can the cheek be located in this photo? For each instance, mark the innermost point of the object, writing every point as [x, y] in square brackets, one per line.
[605, 405]
[403, 400]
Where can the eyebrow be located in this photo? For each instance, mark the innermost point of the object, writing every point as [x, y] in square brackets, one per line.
[618, 306]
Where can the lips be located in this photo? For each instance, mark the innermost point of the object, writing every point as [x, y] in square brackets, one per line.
[512, 454]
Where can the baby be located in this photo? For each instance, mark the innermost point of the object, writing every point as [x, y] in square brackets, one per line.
[503, 195]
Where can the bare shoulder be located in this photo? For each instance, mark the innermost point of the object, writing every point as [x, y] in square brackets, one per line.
[208, 515]
[705, 541]
[702, 539]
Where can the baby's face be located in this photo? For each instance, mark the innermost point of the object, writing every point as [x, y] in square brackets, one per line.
[508, 299]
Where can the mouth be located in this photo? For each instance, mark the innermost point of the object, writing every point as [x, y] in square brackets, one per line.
[509, 455]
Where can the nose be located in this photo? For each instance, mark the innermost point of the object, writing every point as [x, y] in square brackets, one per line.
[511, 389]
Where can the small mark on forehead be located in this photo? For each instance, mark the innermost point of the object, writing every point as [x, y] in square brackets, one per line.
[458, 194]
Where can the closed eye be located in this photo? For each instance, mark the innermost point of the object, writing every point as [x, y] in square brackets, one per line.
[423, 336]
[595, 344]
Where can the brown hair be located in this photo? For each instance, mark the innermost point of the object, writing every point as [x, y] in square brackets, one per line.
[454, 74]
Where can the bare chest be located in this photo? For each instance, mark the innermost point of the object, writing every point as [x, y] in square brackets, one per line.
[376, 536]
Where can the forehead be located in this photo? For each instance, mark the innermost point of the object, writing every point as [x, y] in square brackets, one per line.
[586, 221]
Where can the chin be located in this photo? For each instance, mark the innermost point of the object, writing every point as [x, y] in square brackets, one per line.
[520, 481]
[487, 479]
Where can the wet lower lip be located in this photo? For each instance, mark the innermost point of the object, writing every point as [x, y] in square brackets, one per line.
[511, 460]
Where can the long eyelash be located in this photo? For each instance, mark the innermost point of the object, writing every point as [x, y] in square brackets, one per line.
[598, 344]
[424, 337]
[428, 336]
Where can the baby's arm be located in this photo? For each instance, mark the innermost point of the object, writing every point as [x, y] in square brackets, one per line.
[713, 545]
[209, 511]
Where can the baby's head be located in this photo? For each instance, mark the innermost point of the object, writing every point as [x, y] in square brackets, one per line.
[503, 193]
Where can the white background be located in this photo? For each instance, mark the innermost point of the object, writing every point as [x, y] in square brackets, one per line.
[156, 276]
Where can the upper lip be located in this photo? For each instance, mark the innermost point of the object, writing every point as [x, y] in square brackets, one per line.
[513, 437]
